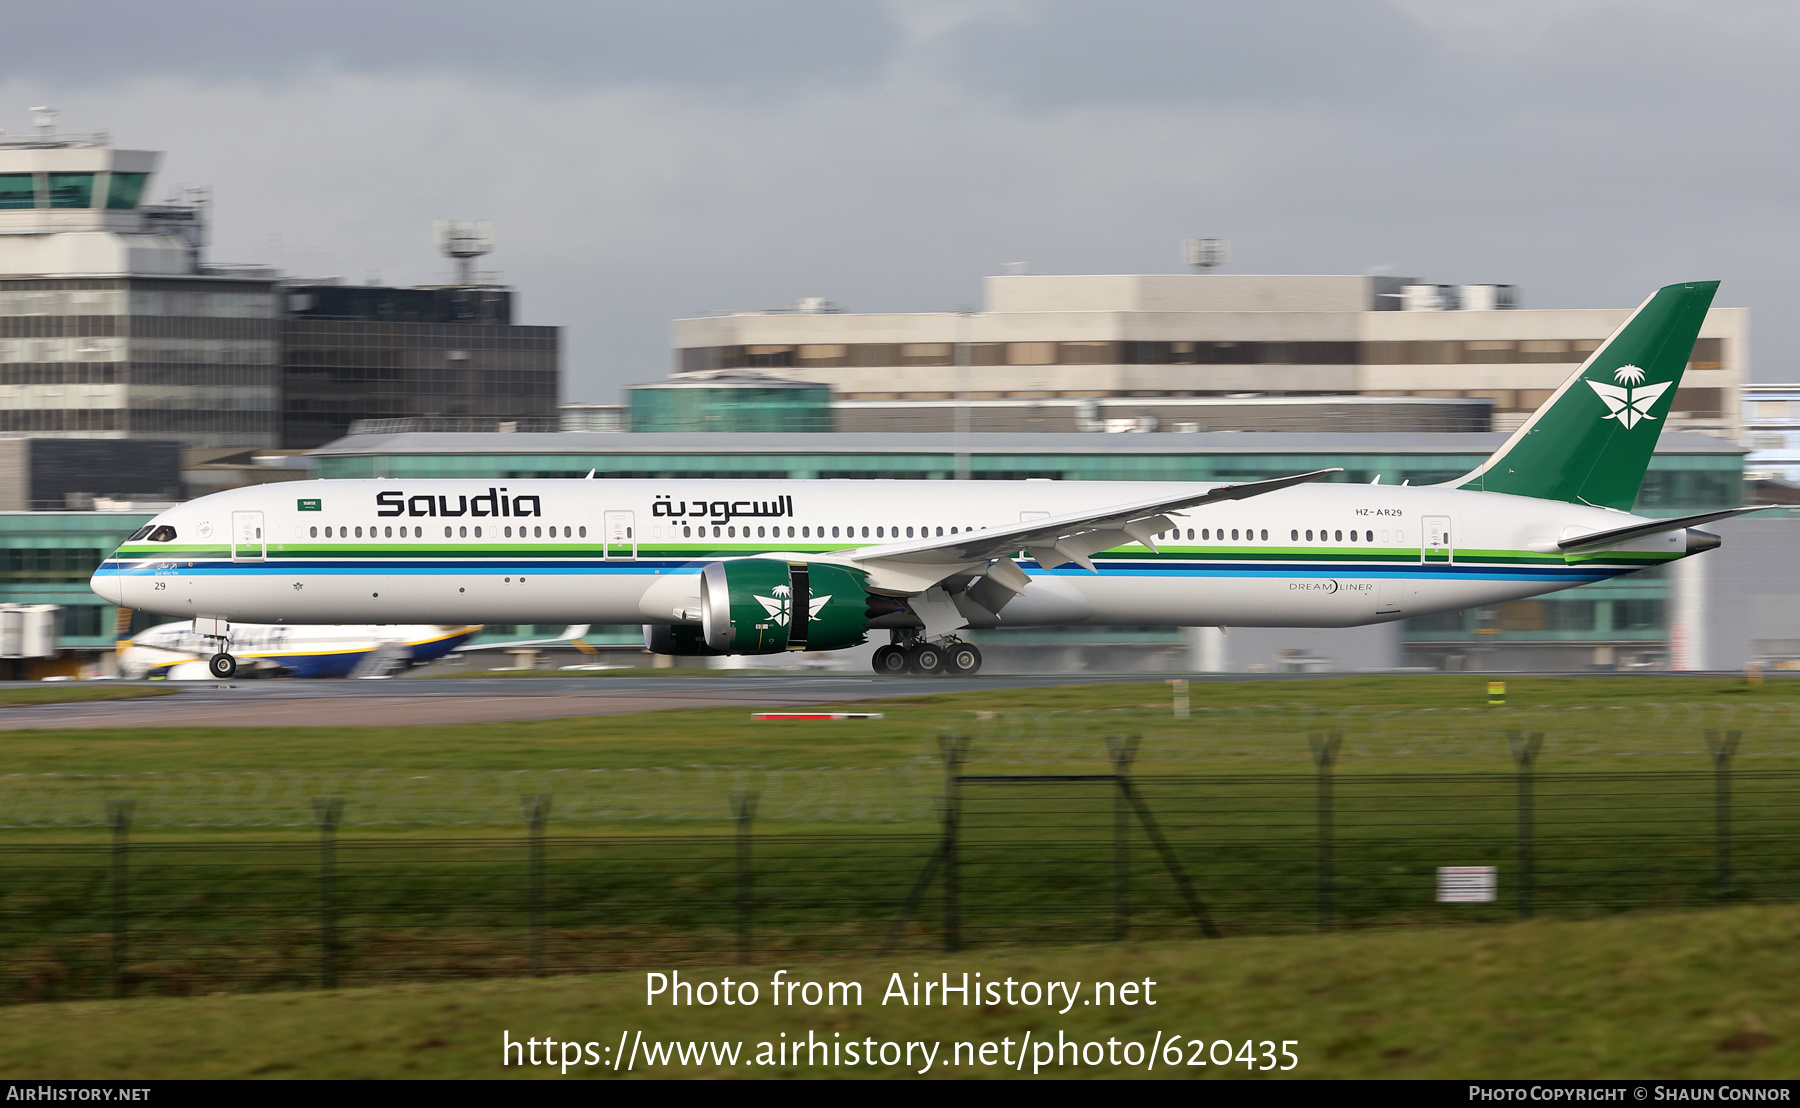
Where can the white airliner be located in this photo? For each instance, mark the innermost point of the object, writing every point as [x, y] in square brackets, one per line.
[176, 652]
[750, 567]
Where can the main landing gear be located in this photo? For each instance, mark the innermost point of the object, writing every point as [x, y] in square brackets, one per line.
[952, 658]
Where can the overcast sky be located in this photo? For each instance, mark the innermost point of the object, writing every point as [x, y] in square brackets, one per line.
[644, 161]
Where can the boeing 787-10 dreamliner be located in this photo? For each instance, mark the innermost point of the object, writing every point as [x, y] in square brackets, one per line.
[763, 566]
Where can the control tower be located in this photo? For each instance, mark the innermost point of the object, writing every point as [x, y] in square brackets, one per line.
[74, 204]
[112, 324]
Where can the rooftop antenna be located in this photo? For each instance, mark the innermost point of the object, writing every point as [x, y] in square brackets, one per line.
[465, 240]
[1203, 254]
[45, 118]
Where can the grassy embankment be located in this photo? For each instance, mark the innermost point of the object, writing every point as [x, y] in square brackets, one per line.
[1679, 995]
[447, 898]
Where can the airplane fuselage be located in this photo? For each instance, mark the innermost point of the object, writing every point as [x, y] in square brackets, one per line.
[603, 551]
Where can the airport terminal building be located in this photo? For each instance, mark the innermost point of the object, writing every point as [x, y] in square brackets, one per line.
[1140, 345]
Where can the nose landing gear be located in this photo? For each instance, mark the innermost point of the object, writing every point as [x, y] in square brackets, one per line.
[222, 666]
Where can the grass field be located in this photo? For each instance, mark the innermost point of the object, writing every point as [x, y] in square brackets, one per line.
[1226, 721]
[58, 693]
[1678, 995]
[224, 865]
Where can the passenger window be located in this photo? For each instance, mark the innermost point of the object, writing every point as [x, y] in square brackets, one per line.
[1234, 532]
[584, 532]
[1190, 534]
[731, 532]
[1265, 534]
[1340, 536]
[687, 532]
[537, 532]
[1352, 536]
[418, 532]
[759, 532]
[909, 532]
[1309, 534]
[940, 532]
[446, 531]
[953, 530]
[359, 532]
[315, 533]
[567, 533]
[478, 532]
[878, 533]
[1369, 536]
[462, 532]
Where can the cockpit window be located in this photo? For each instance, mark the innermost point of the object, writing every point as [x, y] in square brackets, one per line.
[141, 532]
[165, 533]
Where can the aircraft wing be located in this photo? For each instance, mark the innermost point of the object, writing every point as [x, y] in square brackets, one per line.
[915, 566]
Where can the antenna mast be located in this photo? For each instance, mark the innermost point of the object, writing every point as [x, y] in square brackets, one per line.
[465, 240]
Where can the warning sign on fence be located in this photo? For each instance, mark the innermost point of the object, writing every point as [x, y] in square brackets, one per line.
[1466, 884]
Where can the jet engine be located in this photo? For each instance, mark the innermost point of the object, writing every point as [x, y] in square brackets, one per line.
[768, 605]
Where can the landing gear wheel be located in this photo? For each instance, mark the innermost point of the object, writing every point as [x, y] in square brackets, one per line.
[890, 660]
[962, 660]
[222, 666]
[925, 659]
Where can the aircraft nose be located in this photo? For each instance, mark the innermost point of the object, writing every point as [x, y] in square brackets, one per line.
[110, 586]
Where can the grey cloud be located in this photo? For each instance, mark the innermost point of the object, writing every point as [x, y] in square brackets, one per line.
[756, 48]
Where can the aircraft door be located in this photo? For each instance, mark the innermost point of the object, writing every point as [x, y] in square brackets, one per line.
[620, 536]
[1435, 545]
[247, 542]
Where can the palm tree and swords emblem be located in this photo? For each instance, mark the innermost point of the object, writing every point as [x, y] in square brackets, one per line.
[1628, 405]
[777, 605]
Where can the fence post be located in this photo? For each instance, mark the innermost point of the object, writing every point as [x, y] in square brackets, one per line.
[1723, 746]
[743, 810]
[953, 749]
[118, 817]
[537, 813]
[326, 812]
[1525, 746]
[1325, 750]
[1121, 751]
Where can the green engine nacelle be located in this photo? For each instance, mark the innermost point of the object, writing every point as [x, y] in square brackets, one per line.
[767, 605]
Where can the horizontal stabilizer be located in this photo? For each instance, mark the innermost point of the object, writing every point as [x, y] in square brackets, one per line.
[1618, 535]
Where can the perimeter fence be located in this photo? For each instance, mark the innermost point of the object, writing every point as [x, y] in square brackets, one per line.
[1028, 828]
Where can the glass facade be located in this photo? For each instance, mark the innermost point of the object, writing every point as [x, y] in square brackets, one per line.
[188, 359]
[804, 409]
[337, 371]
[123, 190]
[18, 190]
[47, 558]
[71, 190]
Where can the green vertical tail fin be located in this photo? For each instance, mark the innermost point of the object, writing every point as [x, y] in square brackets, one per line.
[1591, 441]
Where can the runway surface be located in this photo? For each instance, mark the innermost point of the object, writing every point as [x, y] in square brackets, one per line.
[487, 700]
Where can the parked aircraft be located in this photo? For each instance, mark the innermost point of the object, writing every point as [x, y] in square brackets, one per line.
[758, 567]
